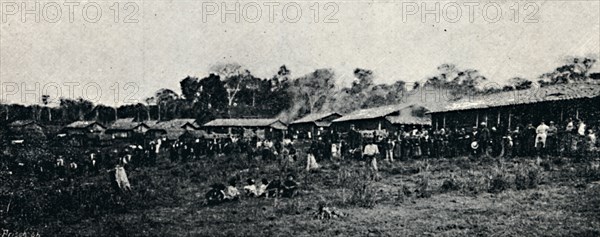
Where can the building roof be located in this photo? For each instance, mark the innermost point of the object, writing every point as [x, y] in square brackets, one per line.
[558, 92]
[20, 123]
[150, 123]
[82, 124]
[315, 117]
[125, 124]
[378, 112]
[243, 122]
[173, 124]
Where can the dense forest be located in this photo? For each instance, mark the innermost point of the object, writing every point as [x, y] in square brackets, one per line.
[231, 91]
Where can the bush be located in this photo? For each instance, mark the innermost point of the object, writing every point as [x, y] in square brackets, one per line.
[527, 178]
[475, 185]
[356, 188]
[422, 191]
[499, 183]
[450, 185]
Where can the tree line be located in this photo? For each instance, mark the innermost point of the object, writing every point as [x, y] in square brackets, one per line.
[232, 91]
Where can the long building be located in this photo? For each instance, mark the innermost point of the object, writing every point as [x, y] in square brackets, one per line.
[508, 109]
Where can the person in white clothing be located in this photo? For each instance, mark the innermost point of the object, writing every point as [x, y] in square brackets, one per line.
[542, 133]
[370, 153]
[540, 138]
[231, 192]
[581, 128]
[251, 189]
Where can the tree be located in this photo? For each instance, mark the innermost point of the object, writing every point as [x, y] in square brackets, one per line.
[458, 82]
[518, 83]
[313, 89]
[363, 81]
[46, 101]
[575, 69]
[75, 109]
[161, 97]
[149, 101]
[212, 99]
[234, 77]
[189, 88]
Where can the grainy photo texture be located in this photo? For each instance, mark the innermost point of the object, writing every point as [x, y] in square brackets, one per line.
[299, 118]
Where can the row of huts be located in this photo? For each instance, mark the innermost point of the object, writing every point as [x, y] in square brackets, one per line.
[88, 133]
[503, 110]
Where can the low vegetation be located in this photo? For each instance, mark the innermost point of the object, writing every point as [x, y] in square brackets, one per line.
[431, 197]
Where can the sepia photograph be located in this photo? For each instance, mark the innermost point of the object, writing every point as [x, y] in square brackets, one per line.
[299, 118]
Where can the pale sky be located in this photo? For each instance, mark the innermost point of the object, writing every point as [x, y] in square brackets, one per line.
[173, 39]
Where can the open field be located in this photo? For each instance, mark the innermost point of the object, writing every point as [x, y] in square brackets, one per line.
[433, 197]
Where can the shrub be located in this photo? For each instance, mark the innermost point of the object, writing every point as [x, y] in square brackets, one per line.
[363, 195]
[475, 185]
[450, 185]
[527, 178]
[499, 183]
[422, 191]
[356, 188]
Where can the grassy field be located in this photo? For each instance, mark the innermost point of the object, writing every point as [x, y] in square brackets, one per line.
[433, 197]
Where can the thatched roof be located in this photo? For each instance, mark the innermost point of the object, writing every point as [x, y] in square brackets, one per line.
[126, 124]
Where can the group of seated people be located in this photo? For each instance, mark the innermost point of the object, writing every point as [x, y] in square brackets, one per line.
[276, 188]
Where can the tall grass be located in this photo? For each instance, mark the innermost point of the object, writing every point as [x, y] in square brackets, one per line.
[356, 188]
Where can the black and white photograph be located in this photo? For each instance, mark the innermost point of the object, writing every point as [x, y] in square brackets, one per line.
[299, 118]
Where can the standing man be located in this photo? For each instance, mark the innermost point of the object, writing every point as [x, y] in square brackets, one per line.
[540, 138]
[354, 141]
[370, 155]
[311, 161]
[484, 138]
[551, 140]
[529, 138]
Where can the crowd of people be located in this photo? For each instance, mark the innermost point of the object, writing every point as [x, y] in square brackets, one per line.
[573, 138]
